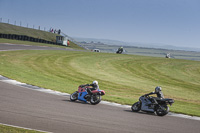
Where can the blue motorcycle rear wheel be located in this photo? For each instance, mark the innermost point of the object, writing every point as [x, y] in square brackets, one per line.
[95, 99]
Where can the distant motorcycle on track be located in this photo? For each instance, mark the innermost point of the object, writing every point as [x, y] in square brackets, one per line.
[146, 104]
[83, 95]
[120, 50]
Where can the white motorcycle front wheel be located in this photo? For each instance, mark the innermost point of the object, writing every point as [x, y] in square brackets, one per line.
[136, 107]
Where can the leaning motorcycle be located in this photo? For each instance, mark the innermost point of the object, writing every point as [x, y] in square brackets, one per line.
[82, 95]
[146, 104]
[119, 51]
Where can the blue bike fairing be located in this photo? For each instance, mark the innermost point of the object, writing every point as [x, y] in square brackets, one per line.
[81, 96]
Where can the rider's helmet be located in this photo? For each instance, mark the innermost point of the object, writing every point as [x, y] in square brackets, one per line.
[158, 89]
[95, 82]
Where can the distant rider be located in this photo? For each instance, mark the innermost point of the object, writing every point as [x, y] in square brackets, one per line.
[120, 49]
[94, 86]
[158, 92]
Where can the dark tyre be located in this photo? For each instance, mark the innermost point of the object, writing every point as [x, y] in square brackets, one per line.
[95, 99]
[136, 107]
[162, 110]
[74, 96]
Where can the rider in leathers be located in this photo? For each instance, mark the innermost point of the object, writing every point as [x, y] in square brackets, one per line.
[120, 50]
[94, 85]
[158, 92]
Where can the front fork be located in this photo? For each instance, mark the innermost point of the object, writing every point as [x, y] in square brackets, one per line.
[161, 107]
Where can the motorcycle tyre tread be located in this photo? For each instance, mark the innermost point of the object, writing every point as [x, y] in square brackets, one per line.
[74, 99]
[137, 109]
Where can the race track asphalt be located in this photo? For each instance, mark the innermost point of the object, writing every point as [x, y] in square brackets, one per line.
[28, 108]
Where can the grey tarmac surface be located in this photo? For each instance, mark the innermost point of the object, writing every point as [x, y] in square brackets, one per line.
[24, 107]
[28, 108]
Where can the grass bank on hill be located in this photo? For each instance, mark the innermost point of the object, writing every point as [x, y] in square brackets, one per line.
[123, 77]
[12, 29]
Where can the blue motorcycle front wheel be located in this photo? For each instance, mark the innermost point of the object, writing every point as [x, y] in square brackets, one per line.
[74, 96]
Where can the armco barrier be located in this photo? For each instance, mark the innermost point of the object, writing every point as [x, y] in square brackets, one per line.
[25, 38]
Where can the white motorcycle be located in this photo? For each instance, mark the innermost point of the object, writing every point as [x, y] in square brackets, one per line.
[152, 104]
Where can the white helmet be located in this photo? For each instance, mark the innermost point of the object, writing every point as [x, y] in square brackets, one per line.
[95, 82]
[158, 88]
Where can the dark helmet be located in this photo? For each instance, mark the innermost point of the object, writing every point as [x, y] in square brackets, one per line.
[158, 89]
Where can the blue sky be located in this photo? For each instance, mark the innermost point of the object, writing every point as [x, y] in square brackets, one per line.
[163, 22]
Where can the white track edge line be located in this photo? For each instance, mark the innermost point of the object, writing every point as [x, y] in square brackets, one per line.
[25, 128]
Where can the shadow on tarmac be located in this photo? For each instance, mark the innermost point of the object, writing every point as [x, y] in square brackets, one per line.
[141, 112]
[77, 101]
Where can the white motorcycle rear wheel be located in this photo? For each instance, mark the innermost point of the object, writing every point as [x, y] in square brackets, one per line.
[163, 110]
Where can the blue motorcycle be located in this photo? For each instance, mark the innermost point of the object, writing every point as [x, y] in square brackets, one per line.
[83, 95]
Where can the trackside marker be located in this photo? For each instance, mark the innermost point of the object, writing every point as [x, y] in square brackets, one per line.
[25, 128]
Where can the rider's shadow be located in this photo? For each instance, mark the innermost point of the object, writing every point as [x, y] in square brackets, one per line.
[141, 112]
[77, 101]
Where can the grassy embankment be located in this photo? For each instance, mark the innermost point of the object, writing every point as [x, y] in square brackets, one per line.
[12, 29]
[123, 77]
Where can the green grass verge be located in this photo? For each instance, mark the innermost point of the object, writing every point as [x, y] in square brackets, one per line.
[123, 77]
[9, 129]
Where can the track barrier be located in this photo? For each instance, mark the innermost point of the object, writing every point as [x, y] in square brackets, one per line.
[26, 38]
